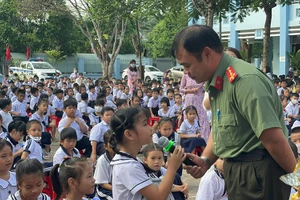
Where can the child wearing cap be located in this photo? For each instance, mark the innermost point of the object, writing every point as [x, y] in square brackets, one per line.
[295, 134]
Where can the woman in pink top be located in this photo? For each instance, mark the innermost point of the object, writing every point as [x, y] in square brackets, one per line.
[194, 96]
[132, 75]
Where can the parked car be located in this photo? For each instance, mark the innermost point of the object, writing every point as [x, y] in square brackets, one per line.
[35, 67]
[151, 73]
[176, 72]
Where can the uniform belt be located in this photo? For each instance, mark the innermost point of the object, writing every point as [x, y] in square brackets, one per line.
[255, 155]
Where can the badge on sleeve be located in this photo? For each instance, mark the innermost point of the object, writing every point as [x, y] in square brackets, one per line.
[219, 83]
[231, 74]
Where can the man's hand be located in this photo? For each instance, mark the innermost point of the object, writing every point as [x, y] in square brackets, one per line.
[199, 169]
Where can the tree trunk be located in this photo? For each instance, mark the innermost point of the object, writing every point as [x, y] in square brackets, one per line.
[210, 14]
[268, 10]
[249, 53]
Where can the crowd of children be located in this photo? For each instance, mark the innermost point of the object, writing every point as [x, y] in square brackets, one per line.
[98, 122]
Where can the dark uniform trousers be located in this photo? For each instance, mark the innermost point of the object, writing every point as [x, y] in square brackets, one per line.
[255, 177]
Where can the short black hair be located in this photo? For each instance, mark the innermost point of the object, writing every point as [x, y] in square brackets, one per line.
[33, 90]
[195, 38]
[235, 51]
[28, 167]
[170, 91]
[4, 103]
[59, 91]
[70, 102]
[51, 88]
[106, 109]
[84, 96]
[20, 91]
[91, 87]
[152, 147]
[18, 126]
[68, 133]
[44, 96]
[31, 122]
[165, 100]
[155, 90]
[294, 95]
[120, 102]
[99, 102]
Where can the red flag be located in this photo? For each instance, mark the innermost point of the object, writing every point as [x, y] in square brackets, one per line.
[27, 52]
[7, 54]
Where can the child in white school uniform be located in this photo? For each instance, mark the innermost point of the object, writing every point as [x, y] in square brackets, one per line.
[19, 107]
[3, 131]
[8, 182]
[58, 103]
[72, 179]
[153, 103]
[97, 133]
[130, 180]
[212, 184]
[16, 131]
[166, 110]
[83, 107]
[78, 124]
[30, 177]
[190, 131]
[67, 149]
[5, 106]
[153, 159]
[95, 117]
[103, 171]
[32, 147]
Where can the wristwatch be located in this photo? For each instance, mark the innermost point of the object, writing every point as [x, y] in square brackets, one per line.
[206, 160]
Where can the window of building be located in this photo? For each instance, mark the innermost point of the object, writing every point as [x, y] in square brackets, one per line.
[297, 12]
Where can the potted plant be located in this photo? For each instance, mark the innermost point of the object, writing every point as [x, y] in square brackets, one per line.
[295, 61]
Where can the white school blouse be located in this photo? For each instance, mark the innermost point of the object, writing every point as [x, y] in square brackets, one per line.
[8, 187]
[128, 178]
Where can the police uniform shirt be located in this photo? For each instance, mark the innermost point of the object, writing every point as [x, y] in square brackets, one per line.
[92, 96]
[33, 149]
[17, 196]
[244, 103]
[170, 113]
[61, 154]
[110, 104]
[82, 107]
[187, 128]
[292, 109]
[20, 107]
[128, 178]
[43, 120]
[58, 103]
[6, 119]
[94, 119]
[153, 103]
[103, 171]
[211, 186]
[109, 97]
[73, 125]
[98, 131]
[8, 187]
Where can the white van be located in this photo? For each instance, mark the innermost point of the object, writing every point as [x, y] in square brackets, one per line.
[35, 67]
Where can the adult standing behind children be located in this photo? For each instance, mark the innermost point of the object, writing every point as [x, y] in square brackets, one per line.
[194, 96]
[132, 76]
[247, 118]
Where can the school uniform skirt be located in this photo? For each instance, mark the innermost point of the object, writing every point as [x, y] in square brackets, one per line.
[189, 144]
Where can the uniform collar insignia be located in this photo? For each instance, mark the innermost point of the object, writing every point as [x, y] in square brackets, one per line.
[219, 83]
[231, 74]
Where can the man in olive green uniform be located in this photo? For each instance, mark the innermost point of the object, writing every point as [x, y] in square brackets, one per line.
[248, 129]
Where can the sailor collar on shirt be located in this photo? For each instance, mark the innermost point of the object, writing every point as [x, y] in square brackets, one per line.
[217, 80]
[11, 181]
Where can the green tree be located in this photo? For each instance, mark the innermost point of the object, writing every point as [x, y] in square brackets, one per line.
[160, 39]
[103, 22]
[56, 56]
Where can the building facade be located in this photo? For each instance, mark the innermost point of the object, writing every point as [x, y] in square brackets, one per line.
[285, 33]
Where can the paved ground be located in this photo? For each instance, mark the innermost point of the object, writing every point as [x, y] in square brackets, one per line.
[193, 183]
